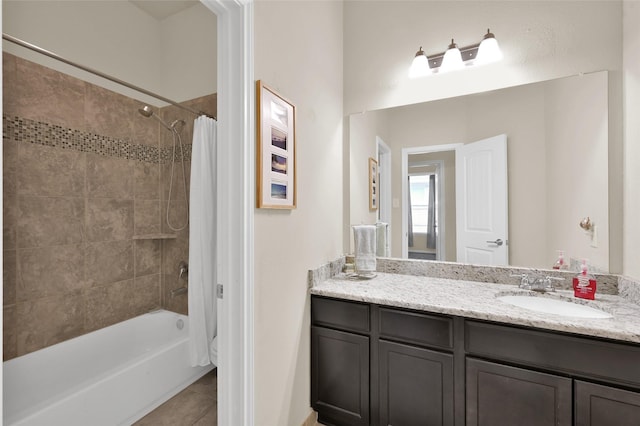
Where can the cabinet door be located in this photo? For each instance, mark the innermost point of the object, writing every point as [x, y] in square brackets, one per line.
[340, 376]
[416, 386]
[598, 405]
[503, 395]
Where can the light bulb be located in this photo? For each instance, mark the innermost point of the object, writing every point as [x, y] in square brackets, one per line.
[452, 59]
[488, 51]
[420, 65]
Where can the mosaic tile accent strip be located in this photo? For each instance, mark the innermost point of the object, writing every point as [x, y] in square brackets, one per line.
[167, 153]
[41, 133]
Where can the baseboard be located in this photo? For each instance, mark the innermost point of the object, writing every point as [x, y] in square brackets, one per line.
[312, 419]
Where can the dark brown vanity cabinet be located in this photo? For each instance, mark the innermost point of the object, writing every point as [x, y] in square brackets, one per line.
[416, 385]
[340, 361]
[340, 380]
[554, 378]
[503, 395]
[597, 405]
[382, 366]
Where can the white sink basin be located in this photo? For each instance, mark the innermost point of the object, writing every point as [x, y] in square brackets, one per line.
[553, 306]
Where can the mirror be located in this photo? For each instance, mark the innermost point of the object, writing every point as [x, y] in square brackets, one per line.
[557, 150]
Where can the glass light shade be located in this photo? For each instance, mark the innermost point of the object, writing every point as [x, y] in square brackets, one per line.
[488, 51]
[419, 66]
[452, 59]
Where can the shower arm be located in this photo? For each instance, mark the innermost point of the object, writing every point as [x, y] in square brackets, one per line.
[57, 57]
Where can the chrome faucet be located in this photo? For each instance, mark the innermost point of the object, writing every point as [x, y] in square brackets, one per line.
[540, 284]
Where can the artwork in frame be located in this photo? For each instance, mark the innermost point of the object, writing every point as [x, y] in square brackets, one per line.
[276, 149]
[373, 184]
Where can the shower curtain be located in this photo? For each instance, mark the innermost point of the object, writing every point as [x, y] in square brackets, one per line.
[202, 244]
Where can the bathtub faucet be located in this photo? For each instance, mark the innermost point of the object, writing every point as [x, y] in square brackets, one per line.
[184, 270]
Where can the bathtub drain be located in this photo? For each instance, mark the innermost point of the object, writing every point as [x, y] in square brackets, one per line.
[180, 324]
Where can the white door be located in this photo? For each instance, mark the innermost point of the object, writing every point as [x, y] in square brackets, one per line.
[481, 202]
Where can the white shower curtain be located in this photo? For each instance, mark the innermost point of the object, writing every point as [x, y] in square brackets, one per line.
[202, 244]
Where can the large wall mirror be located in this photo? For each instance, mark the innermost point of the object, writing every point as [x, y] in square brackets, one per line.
[557, 167]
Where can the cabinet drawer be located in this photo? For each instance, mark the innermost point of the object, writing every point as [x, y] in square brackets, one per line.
[607, 361]
[351, 316]
[417, 328]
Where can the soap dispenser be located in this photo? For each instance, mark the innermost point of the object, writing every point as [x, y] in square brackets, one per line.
[584, 284]
[560, 263]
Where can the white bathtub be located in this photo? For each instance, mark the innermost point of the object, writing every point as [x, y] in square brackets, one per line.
[113, 376]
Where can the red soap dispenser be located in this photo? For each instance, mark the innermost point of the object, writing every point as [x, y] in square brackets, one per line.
[584, 284]
[560, 263]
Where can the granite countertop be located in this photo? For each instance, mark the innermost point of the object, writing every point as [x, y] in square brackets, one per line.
[478, 300]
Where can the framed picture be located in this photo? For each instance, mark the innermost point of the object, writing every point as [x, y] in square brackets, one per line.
[373, 184]
[276, 150]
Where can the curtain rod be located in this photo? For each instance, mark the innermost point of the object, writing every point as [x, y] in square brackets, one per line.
[99, 74]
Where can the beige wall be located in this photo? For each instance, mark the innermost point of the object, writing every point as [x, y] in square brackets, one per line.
[516, 112]
[541, 121]
[576, 170]
[298, 52]
[175, 57]
[540, 40]
[363, 130]
[631, 70]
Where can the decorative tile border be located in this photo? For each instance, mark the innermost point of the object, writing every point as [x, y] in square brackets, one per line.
[166, 153]
[41, 133]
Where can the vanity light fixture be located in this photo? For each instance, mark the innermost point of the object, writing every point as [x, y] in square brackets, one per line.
[420, 65]
[489, 50]
[452, 59]
[455, 58]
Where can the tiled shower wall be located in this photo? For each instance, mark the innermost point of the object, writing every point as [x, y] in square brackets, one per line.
[83, 173]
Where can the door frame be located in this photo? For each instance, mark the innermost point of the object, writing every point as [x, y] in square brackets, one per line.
[235, 200]
[440, 242]
[405, 201]
[384, 166]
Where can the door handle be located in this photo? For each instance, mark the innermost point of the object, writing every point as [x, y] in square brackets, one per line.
[497, 242]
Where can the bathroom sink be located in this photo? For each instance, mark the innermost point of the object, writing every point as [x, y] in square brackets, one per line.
[554, 306]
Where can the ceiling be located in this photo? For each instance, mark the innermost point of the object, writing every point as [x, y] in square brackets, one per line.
[161, 9]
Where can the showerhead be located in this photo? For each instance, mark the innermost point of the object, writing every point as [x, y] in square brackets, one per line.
[179, 123]
[146, 111]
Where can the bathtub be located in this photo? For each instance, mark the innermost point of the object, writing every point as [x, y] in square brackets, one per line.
[112, 376]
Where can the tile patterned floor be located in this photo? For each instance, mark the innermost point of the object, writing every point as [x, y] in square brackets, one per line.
[197, 405]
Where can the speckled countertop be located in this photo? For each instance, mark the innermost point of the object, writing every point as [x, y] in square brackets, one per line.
[479, 300]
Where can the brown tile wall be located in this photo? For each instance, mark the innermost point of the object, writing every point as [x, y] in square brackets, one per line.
[83, 173]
